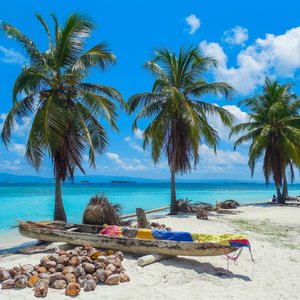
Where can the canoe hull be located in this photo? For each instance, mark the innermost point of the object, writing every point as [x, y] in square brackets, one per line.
[131, 245]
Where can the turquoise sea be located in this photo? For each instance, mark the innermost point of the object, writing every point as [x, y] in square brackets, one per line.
[36, 201]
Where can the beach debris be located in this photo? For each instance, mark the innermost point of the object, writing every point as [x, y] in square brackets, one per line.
[90, 285]
[59, 284]
[41, 290]
[113, 279]
[73, 289]
[228, 204]
[80, 268]
[32, 280]
[8, 284]
[4, 275]
[21, 281]
[201, 214]
[100, 211]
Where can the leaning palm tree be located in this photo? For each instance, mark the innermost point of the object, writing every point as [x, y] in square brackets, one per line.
[177, 111]
[274, 132]
[63, 108]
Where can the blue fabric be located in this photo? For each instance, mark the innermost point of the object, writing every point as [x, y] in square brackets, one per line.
[238, 244]
[172, 236]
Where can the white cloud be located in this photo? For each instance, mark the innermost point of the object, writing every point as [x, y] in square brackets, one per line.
[134, 145]
[10, 165]
[193, 22]
[236, 36]
[139, 134]
[19, 149]
[223, 162]
[20, 129]
[276, 56]
[126, 164]
[12, 56]
[127, 138]
[224, 131]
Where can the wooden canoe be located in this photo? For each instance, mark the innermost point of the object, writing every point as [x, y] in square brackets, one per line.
[78, 234]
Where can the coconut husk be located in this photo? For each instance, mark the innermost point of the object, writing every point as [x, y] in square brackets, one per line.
[100, 211]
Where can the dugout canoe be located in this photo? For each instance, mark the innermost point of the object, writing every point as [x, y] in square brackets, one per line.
[78, 234]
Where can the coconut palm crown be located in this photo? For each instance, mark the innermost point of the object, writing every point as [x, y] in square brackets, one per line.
[177, 112]
[64, 109]
[273, 131]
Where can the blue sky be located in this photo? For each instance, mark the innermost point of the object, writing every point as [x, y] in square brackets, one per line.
[249, 40]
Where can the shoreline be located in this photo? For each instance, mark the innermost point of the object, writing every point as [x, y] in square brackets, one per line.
[274, 234]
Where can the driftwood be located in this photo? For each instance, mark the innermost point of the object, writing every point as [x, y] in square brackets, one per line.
[150, 259]
[146, 212]
[134, 245]
[141, 218]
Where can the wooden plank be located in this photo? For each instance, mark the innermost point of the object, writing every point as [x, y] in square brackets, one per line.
[146, 212]
[150, 259]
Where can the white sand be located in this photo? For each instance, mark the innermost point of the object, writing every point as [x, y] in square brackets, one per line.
[274, 275]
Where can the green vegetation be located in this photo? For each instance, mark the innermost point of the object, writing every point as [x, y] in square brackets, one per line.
[271, 232]
[177, 110]
[274, 132]
[64, 109]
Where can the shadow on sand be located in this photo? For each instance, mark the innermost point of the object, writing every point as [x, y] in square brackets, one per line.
[202, 268]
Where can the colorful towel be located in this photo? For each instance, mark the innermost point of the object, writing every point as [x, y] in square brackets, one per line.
[232, 240]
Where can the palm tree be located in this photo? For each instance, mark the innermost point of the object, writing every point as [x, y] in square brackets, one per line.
[273, 130]
[63, 108]
[178, 118]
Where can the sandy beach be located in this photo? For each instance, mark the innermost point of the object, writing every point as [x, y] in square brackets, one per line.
[274, 235]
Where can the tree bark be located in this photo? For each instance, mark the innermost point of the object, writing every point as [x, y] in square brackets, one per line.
[285, 192]
[280, 199]
[141, 218]
[173, 206]
[59, 210]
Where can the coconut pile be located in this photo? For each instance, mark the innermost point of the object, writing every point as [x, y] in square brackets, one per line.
[80, 268]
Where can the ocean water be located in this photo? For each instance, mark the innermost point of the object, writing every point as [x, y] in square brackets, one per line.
[36, 201]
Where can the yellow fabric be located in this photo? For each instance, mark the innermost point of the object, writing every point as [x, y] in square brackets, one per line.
[145, 234]
[221, 239]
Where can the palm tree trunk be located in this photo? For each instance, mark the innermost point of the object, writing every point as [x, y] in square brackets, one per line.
[59, 210]
[279, 195]
[285, 192]
[173, 206]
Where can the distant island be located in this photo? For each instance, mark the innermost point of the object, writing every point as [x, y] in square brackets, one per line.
[122, 181]
[84, 181]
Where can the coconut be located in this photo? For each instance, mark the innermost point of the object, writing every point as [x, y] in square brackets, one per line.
[102, 274]
[88, 267]
[111, 268]
[95, 254]
[32, 280]
[50, 264]
[52, 270]
[27, 268]
[12, 273]
[124, 277]
[57, 276]
[8, 284]
[44, 260]
[79, 271]
[120, 255]
[59, 284]
[100, 265]
[81, 280]
[102, 259]
[21, 281]
[60, 267]
[74, 261]
[61, 252]
[41, 290]
[90, 285]
[4, 275]
[69, 269]
[53, 257]
[45, 276]
[73, 289]
[63, 259]
[71, 278]
[42, 270]
[113, 279]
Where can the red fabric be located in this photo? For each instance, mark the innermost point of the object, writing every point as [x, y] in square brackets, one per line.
[111, 230]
